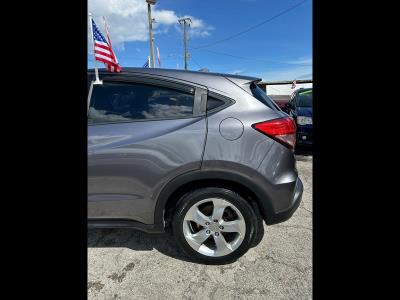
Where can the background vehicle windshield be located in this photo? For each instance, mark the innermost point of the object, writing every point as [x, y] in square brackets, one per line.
[304, 99]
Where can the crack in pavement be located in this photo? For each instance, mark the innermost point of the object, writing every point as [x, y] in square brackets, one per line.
[310, 211]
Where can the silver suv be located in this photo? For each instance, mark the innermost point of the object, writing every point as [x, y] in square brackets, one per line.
[206, 156]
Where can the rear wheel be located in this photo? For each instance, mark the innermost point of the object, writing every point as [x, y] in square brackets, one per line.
[214, 225]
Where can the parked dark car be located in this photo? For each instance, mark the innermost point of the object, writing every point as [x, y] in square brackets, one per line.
[300, 108]
[280, 100]
[206, 156]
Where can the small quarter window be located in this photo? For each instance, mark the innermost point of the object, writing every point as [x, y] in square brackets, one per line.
[214, 103]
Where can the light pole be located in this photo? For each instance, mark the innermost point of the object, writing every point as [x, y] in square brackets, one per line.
[185, 21]
[149, 3]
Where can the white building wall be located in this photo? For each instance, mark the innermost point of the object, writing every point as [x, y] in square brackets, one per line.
[285, 89]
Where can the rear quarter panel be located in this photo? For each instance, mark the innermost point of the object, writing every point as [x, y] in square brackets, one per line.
[270, 165]
[252, 146]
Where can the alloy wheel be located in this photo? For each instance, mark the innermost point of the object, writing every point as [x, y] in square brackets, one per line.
[214, 227]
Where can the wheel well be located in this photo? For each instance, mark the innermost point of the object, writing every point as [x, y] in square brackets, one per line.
[241, 189]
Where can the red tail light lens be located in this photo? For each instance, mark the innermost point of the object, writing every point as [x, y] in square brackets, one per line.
[282, 130]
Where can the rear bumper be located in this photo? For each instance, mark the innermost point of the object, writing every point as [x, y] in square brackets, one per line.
[279, 188]
[304, 135]
[284, 215]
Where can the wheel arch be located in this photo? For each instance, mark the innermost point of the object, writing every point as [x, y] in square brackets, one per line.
[242, 183]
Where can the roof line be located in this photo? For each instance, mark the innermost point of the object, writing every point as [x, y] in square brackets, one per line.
[160, 71]
[285, 82]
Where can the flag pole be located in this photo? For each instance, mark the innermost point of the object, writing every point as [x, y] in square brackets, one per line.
[148, 59]
[97, 81]
[158, 57]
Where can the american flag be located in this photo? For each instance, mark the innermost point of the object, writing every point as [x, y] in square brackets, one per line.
[103, 51]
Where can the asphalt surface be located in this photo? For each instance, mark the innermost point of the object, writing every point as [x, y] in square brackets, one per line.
[128, 264]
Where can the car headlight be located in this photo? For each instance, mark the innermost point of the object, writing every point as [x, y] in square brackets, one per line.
[304, 120]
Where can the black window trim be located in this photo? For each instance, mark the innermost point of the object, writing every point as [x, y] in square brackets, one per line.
[249, 90]
[178, 85]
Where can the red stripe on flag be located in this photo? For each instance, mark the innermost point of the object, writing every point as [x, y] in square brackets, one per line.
[102, 49]
[104, 54]
[102, 46]
[109, 64]
[105, 60]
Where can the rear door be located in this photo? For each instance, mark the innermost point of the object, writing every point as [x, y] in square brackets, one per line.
[142, 132]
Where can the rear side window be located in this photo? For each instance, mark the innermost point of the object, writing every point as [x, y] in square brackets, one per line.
[261, 96]
[114, 102]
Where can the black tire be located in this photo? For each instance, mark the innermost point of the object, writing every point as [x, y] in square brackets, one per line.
[193, 197]
[259, 233]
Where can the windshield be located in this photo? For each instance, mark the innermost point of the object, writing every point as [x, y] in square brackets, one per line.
[304, 99]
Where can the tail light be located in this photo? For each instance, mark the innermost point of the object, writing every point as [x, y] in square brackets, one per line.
[282, 130]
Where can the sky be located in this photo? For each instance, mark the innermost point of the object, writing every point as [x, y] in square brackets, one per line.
[223, 37]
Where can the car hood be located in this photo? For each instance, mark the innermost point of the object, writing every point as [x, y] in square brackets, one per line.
[304, 111]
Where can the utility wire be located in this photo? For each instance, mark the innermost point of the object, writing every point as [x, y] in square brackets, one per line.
[192, 58]
[252, 27]
[255, 59]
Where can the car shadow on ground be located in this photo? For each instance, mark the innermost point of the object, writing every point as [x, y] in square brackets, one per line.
[140, 241]
[135, 240]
